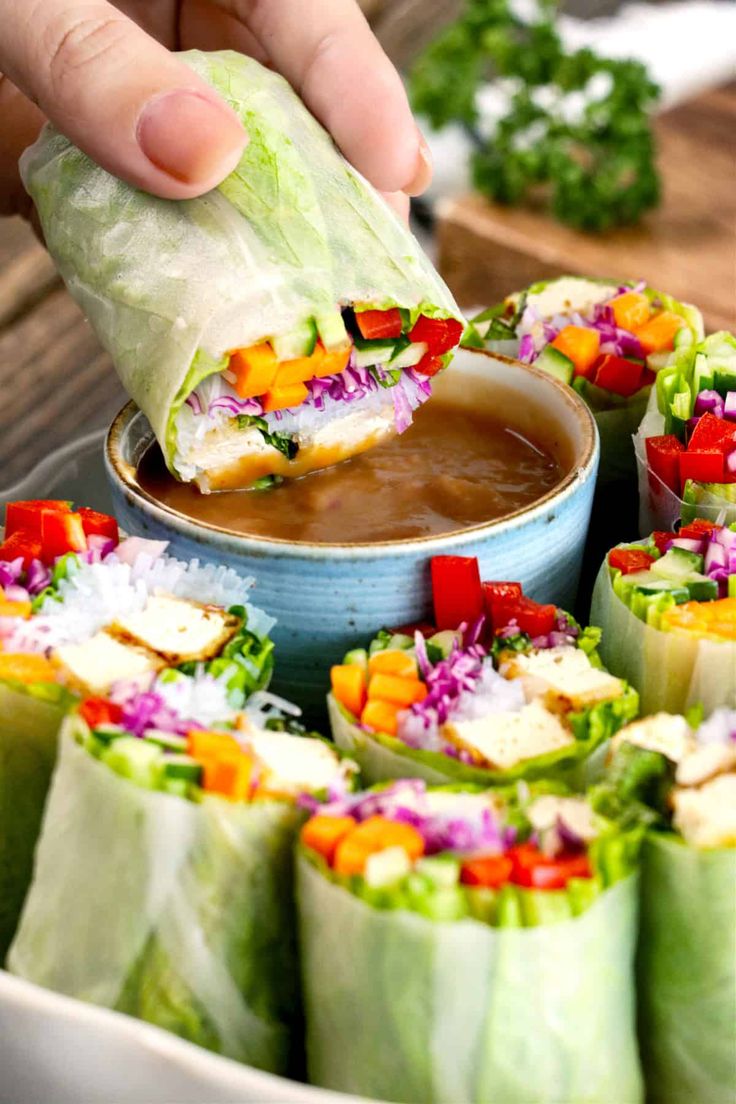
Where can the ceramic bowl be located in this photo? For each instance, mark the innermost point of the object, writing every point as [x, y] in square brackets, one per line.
[328, 598]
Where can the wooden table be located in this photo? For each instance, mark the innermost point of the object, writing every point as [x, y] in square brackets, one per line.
[57, 383]
[686, 247]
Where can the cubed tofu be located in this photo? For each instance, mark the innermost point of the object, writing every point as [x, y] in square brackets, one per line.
[288, 765]
[92, 667]
[574, 813]
[564, 678]
[178, 629]
[706, 817]
[501, 740]
[666, 733]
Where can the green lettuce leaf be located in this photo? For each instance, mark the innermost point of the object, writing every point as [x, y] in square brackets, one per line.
[292, 234]
[177, 912]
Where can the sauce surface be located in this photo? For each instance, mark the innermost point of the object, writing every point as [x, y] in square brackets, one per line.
[453, 468]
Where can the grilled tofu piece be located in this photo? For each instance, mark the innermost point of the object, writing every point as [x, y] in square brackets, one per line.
[501, 740]
[288, 765]
[92, 667]
[564, 678]
[706, 817]
[177, 629]
[666, 733]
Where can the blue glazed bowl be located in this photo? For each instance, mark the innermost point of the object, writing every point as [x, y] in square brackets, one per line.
[329, 598]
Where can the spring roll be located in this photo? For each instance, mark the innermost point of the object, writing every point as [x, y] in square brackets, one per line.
[80, 612]
[606, 339]
[447, 956]
[667, 608]
[681, 782]
[281, 323]
[686, 443]
[163, 876]
[523, 697]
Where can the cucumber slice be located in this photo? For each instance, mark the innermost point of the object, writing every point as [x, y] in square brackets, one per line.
[409, 356]
[357, 658]
[332, 332]
[702, 590]
[678, 565]
[108, 732]
[298, 343]
[556, 364]
[369, 354]
[135, 759]
[182, 767]
[444, 640]
[166, 740]
[732, 586]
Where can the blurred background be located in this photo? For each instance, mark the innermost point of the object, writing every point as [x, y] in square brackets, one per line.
[58, 384]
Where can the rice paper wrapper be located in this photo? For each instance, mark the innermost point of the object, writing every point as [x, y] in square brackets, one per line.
[178, 913]
[382, 757]
[671, 671]
[403, 1008]
[615, 429]
[687, 972]
[30, 718]
[170, 287]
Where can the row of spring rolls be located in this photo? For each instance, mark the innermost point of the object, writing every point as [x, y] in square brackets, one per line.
[462, 943]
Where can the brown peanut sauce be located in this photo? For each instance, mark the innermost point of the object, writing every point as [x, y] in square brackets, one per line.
[453, 468]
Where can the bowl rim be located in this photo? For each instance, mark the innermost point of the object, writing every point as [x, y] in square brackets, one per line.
[122, 476]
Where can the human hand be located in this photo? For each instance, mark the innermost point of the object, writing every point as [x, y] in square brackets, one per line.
[103, 74]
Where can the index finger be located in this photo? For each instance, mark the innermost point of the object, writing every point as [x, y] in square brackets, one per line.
[328, 53]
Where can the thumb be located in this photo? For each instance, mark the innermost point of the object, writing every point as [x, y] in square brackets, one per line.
[120, 96]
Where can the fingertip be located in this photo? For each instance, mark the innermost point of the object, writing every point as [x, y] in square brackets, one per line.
[423, 170]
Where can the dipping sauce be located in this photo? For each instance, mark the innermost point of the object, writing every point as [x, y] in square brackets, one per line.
[453, 468]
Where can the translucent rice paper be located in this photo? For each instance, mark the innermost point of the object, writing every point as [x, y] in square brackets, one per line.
[687, 973]
[671, 671]
[29, 725]
[175, 912]
[292, 232]
[408, 1009]
[659, 506]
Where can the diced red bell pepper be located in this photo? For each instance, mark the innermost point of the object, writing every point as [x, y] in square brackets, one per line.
[374, 324]
[26, 515]
[629, 560]
[429, 365]
[23, 544]
[456, 591]
[663, 458]
[532, 868]
[615, 373]
[439, 334]
[99, 711]
[698, 528]
[712, 433]
[487, 870]
[532, 617]
[495, 594]
[702, 465]
[662, 539]
[99, 525]
[61, 533]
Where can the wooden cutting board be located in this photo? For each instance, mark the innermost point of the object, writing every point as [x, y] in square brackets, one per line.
[687, 246]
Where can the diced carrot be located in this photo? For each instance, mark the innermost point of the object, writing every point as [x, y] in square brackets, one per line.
[335, 362]
[348, 686]
[581, 345]
[27, 668]
[229, 775]
[282, 398]
[323, 833]
[301, 369]
[630, 310]
[397, 690]
[14, 609]
[380, 716]
[708, 620]
[659, 332]
[375, 834]
[393, 662]
[207, 745]
[254, 370]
